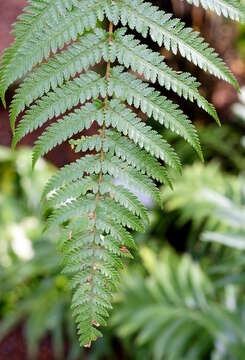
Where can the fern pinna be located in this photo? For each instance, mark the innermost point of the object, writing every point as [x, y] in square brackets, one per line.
[57, 45]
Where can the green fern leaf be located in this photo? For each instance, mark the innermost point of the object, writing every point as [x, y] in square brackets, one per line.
[116, 230]
[121, 194]
[150, 64]
[233, 9]
[82, 54]
[119, 213]
[72, 209]
[29, 51]
[138, 158]
[73, 191]
[86, 143]
[166, 316]
[65, 128]
[56, 103]
[137, 93]
[124, 197]
[173, 34]
[125, 121]
[123, 148]
[131, 177]
[72, 172]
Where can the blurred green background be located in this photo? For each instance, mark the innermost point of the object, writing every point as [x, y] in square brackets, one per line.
[183, 296]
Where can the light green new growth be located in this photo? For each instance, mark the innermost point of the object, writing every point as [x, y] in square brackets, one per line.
[65, 58]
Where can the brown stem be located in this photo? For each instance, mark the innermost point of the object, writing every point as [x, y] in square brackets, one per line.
[107, 75]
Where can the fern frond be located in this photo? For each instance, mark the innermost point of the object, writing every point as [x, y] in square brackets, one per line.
[131, 177]
[88, 143]
[125, 121]
[229, 239]
[73, 191]
[96, 273]
[57, 42]
[83, 205]
[119, 193]
[233, 9]
[139, 94]
[116, 230]
[80, 56]
[121, 215]
[65, 128]
[125, 149]
[32, 20]
[173, 309]
[29, 24]
[29, 51]
[93, 267]
[109, 243]
[173, 34]
[138, 158]
[150, 64]
[112, 166]
[124, 197]
[194, 191]
[72, 172]
[58, 102]
[72, 209]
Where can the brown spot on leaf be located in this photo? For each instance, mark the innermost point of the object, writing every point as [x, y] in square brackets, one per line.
[124, 250]
[88, 345]
[95, 323]
[90, 215]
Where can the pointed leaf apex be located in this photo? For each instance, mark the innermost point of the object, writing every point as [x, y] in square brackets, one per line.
[3, 101]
